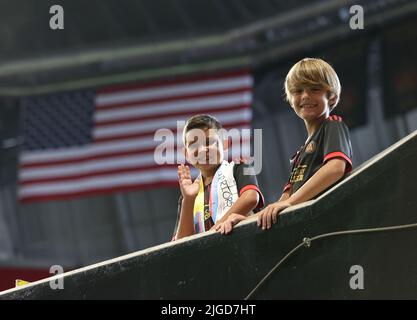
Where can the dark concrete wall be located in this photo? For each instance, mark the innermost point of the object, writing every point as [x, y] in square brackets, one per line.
[382, 192]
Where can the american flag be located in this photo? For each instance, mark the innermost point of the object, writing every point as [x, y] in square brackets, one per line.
[100, 141]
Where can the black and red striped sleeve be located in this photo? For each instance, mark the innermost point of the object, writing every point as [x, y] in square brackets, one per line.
[336, 144]
[246, 180]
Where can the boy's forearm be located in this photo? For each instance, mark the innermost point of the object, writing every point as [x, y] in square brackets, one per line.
[244, 204]
[186, 224]
[284, 196]
[326, 176]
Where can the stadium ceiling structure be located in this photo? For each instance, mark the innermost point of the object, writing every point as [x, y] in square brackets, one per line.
[114, 41]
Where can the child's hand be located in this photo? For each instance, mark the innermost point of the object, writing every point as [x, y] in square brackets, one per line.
[269, 215]
[189, 189]
[226, 226]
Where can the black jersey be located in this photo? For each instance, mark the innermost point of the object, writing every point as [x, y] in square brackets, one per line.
[330, 141]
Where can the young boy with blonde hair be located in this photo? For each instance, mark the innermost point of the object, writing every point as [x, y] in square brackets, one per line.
[313, 90]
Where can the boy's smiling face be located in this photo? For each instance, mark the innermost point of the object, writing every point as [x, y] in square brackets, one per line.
[311, 102]
[204, 148]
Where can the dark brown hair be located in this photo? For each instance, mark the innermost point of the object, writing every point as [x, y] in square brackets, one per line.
[201, 121]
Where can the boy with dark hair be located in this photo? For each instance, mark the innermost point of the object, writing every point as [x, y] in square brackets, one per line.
[221, 195]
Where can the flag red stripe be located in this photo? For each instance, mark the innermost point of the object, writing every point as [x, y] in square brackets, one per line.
[181, 114]
[174, 130]
[87, 158]
[141, 103]
[96, 173]
[177, 80]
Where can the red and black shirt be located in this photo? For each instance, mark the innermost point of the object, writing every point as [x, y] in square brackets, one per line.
[330, 141]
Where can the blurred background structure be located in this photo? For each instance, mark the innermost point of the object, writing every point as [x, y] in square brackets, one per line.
[135, 43]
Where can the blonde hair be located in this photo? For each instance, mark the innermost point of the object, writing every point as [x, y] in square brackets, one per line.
[311, 72]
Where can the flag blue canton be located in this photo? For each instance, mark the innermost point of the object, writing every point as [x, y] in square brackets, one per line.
[58, 121]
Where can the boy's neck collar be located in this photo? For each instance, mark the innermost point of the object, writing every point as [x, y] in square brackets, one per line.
[208, 176]
[313, 127]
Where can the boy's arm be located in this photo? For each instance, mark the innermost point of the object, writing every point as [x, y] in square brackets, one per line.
[189, 192]
[337, 154]
[250, 197]
[243, 205]
[285, 195]
[247, 201]
[331, 172]
[186, 223]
